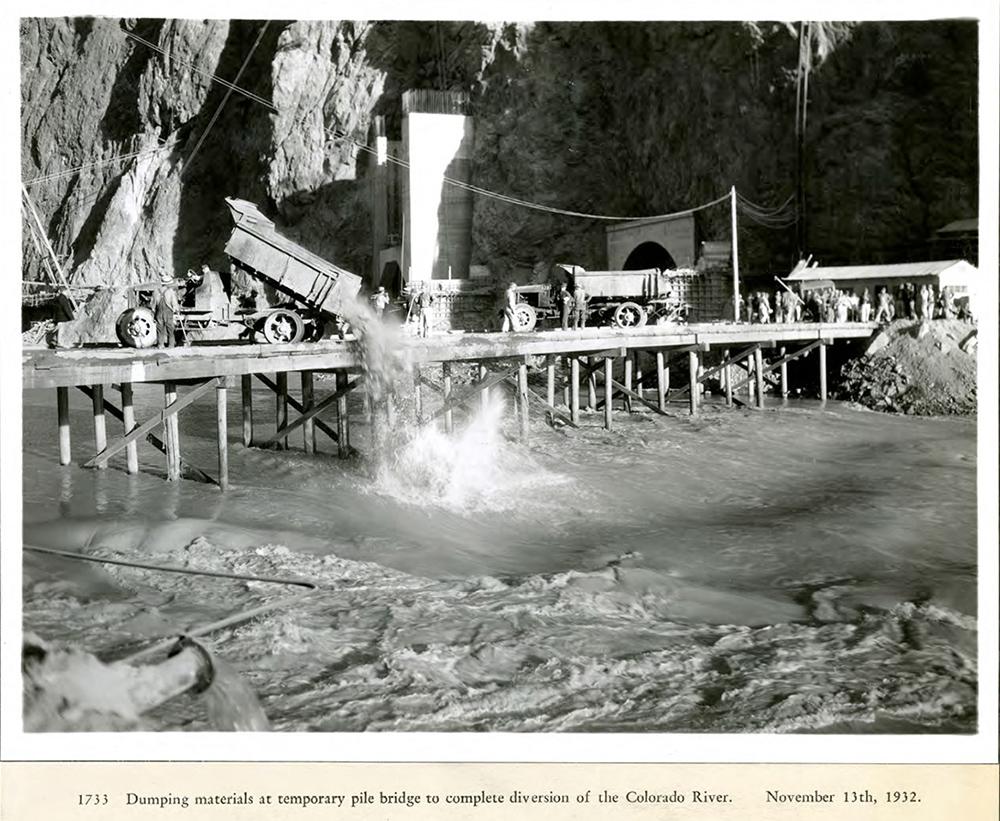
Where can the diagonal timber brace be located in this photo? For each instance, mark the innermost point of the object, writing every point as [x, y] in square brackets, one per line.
[144, 429]
[316, 409]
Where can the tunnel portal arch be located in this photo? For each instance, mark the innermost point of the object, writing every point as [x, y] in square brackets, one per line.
[649, 255]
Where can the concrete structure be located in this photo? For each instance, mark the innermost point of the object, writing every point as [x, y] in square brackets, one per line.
[669, 242]
[436, 230]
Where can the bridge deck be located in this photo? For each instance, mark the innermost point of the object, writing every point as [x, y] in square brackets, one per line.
[45, 368]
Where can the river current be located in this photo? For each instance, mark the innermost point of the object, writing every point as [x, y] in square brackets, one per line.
[804, 568]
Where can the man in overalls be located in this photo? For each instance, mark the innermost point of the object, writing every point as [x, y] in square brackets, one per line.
[165, 310]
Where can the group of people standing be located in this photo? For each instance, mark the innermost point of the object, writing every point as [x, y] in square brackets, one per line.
[788, 307]
[841, 305]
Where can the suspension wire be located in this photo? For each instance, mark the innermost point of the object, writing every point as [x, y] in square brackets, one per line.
[763, 209]
[71, 171]
[525, 203]
[255, 97]
[225, 99]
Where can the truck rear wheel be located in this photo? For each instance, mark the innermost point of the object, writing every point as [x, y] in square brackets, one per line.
[136, 328]
[283, 327]
[525, 318]
[629, 315]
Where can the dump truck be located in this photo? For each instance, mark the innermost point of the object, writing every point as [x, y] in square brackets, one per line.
[623, 299]
[318, 293]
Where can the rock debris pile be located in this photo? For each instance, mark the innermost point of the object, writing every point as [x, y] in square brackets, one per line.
[913, 367]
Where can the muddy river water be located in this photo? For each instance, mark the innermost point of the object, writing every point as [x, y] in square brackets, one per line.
[804, 568]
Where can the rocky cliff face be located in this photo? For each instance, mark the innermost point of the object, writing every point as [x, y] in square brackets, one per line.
[614, 119]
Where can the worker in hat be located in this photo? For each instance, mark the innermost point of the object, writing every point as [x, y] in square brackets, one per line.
[166, 305]
[509, 306]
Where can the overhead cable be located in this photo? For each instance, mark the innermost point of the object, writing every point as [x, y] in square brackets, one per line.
[249, 94]
[70, 171]
[225, 99]
[532, 205]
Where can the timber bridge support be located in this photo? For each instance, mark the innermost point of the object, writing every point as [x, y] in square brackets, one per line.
[599, 369]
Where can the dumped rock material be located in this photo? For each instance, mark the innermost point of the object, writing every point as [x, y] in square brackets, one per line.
[914, 367]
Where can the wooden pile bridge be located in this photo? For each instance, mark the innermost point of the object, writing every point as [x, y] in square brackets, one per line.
[747, 356]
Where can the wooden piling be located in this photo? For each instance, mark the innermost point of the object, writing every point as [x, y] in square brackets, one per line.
[574, 389]
[100, 425]
[222, 429]
[246, 390]
[418, 399]
[758, 364]
[639, 387]
[308, 428]
[550, 384]
[566, 390]
[727, 376]
[343, 423]
[128, 422]
[281, 406]
[62, 408]
[784, 374]
[484, 394]
[661, 385]
[449, 422]
[591, 389]
[171, 434]
[750, 379]
[693, 382]
[822, 372]
[627, 379]
[609, 375]
[522, 398]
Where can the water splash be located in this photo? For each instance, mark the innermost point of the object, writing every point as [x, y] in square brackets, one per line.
[474, 468]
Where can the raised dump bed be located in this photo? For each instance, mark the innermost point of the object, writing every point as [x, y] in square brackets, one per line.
[257, 248]
[319, 292]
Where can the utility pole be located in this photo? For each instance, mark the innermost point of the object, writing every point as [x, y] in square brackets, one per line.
[736, 258]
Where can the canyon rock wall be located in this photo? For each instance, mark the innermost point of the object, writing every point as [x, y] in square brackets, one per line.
[619, 119]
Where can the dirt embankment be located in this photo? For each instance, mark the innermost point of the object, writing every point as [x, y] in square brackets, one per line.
[923, 368]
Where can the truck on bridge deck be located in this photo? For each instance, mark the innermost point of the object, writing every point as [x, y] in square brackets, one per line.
[622, 299]
[318, 292]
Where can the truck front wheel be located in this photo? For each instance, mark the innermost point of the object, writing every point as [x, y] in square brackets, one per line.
[136, 328]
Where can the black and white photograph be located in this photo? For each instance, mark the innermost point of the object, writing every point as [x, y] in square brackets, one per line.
[502, 376]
